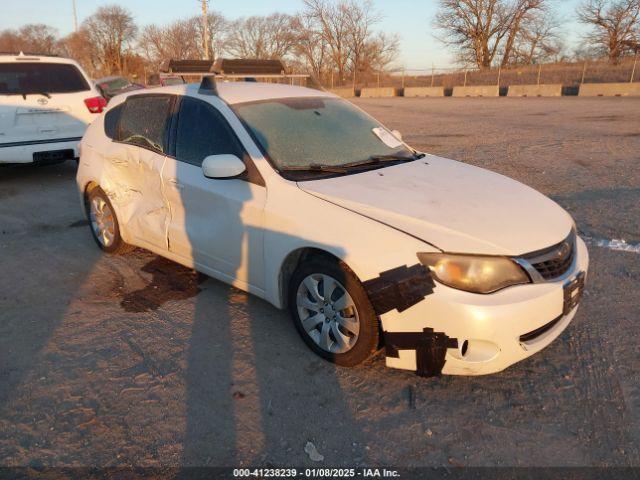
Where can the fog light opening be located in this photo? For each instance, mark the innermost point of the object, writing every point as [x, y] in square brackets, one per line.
[464, 348]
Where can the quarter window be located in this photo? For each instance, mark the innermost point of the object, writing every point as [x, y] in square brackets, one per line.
[144, 121]
[111, 120]
[203, 131]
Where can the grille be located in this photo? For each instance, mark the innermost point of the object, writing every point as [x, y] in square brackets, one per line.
[554, 268]
[555, 261]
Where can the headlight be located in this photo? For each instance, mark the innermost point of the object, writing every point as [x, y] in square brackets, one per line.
[476, 274]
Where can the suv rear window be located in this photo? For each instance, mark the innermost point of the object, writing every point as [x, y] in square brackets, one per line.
[25, 78]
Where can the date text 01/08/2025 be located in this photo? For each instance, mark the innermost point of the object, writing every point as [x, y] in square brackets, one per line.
[315, 473]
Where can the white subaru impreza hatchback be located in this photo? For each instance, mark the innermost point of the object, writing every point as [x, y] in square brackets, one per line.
[300, 198]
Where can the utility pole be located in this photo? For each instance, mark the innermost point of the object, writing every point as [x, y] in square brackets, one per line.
[75, 17]
[205, 28]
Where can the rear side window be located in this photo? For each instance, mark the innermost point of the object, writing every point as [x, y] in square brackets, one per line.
[143, 121]
[26, 78]
[203, 131]
[111, 120]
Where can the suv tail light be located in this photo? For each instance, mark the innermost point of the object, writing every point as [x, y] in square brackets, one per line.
[95, 104]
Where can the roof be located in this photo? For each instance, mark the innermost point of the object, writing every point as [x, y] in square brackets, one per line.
[243, 92]
[26, 57]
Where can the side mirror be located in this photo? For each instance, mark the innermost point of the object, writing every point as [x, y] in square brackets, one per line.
[223, 167]
[397, 134]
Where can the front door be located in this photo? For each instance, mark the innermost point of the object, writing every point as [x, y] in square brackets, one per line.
[216, 225]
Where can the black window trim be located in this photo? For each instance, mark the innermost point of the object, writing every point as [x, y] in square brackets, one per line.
[251, 175]
[169, 122]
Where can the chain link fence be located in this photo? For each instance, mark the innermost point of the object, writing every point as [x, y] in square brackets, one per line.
[566, 74]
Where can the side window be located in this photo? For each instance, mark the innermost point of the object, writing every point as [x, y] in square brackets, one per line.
[111, 120]
[143, 121]
[203, 131]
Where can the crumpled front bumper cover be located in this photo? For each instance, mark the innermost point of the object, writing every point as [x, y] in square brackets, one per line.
[433, 329]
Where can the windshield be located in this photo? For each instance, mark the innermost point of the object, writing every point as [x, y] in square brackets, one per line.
[28, 78]
[299, 133]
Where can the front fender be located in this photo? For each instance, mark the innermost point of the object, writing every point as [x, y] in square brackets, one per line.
[296, 220]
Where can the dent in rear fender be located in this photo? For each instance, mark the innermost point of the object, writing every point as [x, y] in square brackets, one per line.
[400, 289]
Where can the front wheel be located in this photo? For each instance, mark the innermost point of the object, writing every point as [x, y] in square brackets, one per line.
[104, 224]
[332, 312]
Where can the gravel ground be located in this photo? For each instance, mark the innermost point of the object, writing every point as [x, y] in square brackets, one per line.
[133, 360]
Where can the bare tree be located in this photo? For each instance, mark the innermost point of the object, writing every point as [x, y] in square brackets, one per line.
[218, 31]
[345, 30]
[176, 40]
[615, 26]
[35, 38]
[381, 50]
[482, 30]
[182, 39]
[111, 30]
[311, 46]
[518, 14]
[78, 46]
[361, 20]
[334, 24]
[262, 37]
[9, 41]
[539, 41]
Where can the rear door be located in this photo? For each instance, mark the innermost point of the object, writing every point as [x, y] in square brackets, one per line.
[42, 101]
[133, 164]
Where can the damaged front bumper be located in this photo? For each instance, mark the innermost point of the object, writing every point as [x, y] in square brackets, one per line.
[458, 333]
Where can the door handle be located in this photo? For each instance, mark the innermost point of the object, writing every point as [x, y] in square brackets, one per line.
[176, 184]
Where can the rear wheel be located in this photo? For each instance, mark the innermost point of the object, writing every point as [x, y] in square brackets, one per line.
[332, 312]
[104, 224]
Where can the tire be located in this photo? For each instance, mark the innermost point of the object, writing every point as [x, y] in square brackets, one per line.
[325, 327]
[97, 203]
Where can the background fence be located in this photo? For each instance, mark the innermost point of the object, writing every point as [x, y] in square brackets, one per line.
[566, 74]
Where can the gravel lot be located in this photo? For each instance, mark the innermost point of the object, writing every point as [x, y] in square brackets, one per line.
[133, 360]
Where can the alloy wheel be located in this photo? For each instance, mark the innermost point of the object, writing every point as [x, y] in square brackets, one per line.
[102, 221]
[328, 313]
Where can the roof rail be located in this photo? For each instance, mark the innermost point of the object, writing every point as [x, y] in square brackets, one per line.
[251, 67]
[188, 66]
[233, 69]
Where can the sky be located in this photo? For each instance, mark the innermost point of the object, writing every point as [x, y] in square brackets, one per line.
[411, 19]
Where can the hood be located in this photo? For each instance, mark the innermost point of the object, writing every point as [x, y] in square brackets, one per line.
[453, 206]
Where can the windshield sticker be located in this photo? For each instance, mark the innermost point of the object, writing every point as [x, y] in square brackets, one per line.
[388, 138]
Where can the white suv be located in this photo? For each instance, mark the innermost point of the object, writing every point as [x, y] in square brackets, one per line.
[302, 199]
[46, 104]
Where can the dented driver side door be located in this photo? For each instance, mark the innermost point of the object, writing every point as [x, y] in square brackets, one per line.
[140, 148]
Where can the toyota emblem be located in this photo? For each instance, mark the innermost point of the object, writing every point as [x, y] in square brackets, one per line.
[43, 101]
